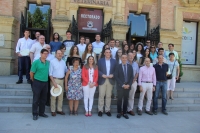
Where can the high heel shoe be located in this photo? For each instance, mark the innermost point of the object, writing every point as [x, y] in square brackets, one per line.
[86, 114]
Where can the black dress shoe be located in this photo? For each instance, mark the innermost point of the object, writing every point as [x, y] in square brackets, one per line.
[44, 115]
[35, 117]
[125, 116]
[100, 114]
[165, 112]
[47, 104]
[118, 115]
[149, 112]
[29, 81]
[139, 112]
[19, 82]
[155, 112]
[108, 114]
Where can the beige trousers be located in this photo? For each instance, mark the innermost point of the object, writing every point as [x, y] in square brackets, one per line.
[131, 96]
[147, 87]
[105, 90]
[60, 97]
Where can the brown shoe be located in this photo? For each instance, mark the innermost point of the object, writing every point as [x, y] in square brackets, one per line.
[149, 112]
[131, 113]
[53, 113]
[139, 112]
[61, 113]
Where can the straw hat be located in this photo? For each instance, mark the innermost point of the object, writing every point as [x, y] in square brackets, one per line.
[56, 91]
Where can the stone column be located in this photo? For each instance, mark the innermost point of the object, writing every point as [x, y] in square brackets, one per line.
[107, 14]
[118, 14]
[62, 8]
[7, 45]
[119, 31]
[73, 11]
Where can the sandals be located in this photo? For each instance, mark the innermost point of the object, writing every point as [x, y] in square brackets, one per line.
[71, 113]
[75, 113]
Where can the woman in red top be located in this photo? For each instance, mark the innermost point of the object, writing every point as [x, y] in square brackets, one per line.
[89, 83]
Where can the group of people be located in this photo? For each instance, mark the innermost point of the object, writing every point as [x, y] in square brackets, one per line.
[116, 70]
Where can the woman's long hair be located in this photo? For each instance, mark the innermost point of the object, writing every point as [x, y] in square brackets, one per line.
[141, 44]
[72, 51]
[87, 64]
[116, 55]
[86, 51]
[54, 35]
[103, 51]
[123, 51]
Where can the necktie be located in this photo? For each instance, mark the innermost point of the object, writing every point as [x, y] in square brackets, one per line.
[125, 76]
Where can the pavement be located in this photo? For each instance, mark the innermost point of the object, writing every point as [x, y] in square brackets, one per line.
[175, 122]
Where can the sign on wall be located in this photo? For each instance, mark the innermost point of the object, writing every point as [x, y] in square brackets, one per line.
[94, 2]
[188, 53]
[90, 20]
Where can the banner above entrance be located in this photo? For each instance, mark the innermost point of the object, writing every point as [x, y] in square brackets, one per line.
[94, 2]
[90, 20]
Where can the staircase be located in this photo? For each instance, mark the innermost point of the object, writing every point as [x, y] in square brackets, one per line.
[18, 98]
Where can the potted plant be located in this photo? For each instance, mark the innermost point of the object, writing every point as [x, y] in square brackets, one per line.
[181, 71]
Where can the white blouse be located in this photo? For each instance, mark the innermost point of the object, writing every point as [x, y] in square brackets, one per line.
[90, 55]
[91, 75]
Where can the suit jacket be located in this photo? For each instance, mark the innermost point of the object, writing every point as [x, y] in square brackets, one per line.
[102, 70]
[85, 76]
[120, 78]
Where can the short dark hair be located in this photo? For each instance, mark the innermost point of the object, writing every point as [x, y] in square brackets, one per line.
[87, 38]
[44, 50]
[82, 37]
[124, 54]
[26, 30]
[97, 34]
[68, 32]
[75, 59]
[171, 54]
[112, 39]
[160, 49]
[107, 49]
[62, 46]
[171, 44]
[57, 50]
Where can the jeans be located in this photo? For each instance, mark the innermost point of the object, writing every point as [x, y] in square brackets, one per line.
[24, 63]
[163, 87]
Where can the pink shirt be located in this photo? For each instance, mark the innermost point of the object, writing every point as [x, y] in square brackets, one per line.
[147, 74]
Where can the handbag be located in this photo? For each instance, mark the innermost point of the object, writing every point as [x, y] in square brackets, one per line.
[170, 75]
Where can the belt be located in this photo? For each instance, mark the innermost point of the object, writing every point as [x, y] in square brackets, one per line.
[58, 78]
[146, 82]
[162, 80]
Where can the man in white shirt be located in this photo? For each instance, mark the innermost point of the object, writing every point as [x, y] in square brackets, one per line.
[148, 44]
[87, 40]
[113, 48]
[57, 72]
[98, 45]
[171, 50]
[37, 47]
[81, 46]
[37, 35]
[22, 49]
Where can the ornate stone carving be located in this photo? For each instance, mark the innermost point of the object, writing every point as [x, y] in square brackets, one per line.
[190, 3]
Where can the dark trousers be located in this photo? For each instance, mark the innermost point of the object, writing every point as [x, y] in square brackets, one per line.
[122, 94]
[48, 92]
[39, 96]
[24, 63]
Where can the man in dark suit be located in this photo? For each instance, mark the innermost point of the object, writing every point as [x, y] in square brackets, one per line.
[106, 68]
[124, 79]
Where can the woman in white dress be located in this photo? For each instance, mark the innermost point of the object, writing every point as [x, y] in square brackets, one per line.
[140, 50]
[88, 52]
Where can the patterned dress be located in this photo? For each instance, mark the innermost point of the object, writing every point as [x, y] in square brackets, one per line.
[75, 91]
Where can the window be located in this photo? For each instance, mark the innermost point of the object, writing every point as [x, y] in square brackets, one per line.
[138, 25]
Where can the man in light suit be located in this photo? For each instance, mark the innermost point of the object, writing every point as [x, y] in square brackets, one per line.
[124, 79]
[106, 68]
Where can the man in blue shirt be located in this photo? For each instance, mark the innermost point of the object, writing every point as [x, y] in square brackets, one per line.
[161, 83]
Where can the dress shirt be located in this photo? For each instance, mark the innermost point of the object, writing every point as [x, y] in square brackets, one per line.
[98, 44]
[81, 49]
[175, 54]
[23, 44]
[88, 54]
[91, 74]
[107, 67]
[124, 71]
[156, 60]
[49, 57]
[145, 47]
[35, 41]
[147, 74]
[135, 68]
[113, 51]
[36, 48]
[57, 68]
[139, 56]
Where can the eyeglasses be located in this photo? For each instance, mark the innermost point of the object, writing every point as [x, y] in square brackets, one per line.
[152, 47]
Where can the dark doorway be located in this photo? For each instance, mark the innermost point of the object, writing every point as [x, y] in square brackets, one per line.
[90, 35]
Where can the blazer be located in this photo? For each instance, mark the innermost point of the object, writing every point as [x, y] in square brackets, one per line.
[85, 76]
[102, 70]
[119, 75]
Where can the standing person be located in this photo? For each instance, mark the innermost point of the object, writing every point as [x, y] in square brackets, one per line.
[37, 47]
[153, 53]
[89, 83]
[39, 76]
[98, 44]
[175, 71]
[55, 44]
[74, 53]
[64, 56]
[74, 87]
[132, 60]
[81, 46]
[160, 52]
[106, 68]
[131, 47]
[148, 44]
[102, 55]
[87, 40]
[160, 45]
[146, 55]
[125, 49]
[171, 50]
[22, 49]
[161, 69]
[117, 44]
[140, 50]
[124, 43]
[68, 42]
[147, 83]
[124, 79]
[88, 52]
[37, 35]
[113, 48]
[57, 74]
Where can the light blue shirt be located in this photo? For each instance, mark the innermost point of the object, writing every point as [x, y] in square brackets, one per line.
[175, 54]
[135, 68]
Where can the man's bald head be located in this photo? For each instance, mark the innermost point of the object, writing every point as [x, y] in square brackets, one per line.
[147, 62]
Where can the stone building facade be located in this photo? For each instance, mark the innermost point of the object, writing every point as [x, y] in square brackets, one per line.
[168, 14]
